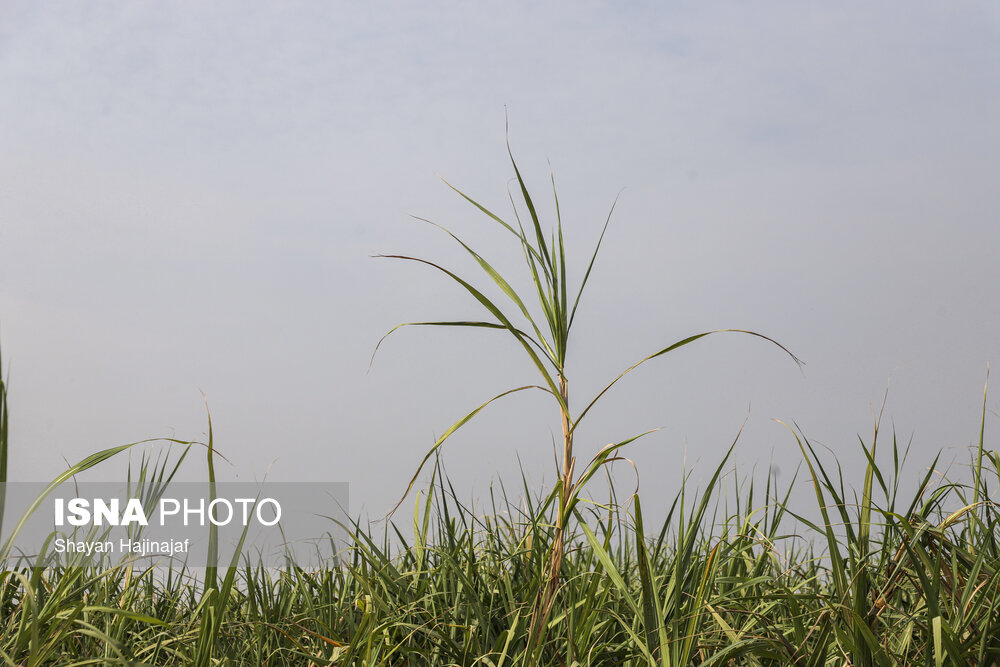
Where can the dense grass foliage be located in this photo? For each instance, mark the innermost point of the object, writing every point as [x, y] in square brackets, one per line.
[734, 576]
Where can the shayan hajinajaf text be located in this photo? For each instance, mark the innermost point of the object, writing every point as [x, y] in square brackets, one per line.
[143, 547]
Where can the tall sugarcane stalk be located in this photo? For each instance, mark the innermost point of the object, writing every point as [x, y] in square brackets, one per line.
[4, 430]
[544, 340]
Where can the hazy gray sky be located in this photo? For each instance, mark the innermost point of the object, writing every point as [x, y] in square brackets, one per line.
[190, 192]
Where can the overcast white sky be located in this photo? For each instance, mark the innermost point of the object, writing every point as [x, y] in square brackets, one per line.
[190, 192]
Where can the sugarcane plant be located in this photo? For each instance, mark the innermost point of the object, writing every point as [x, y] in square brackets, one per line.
[542, 332]
[4, 428]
